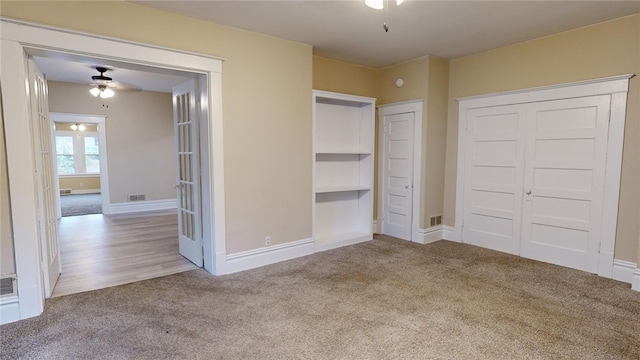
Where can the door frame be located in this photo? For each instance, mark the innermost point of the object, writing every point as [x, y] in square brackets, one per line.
[617, 87]
[20, 39]
[413, 106]
[99, 120]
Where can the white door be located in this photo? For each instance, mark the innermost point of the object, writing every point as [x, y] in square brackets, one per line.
[185, 118]
[564, 181]
[493, 177]
[398, 175]
[46, 187]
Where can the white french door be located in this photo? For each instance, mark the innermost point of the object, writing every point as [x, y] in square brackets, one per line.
[564, 181]
[534, 179]
[45, 185]
[185, 117]
[493, 187]
[398, 175]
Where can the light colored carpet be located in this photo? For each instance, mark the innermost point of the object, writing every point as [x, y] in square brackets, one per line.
[384, 299]
[80, 204]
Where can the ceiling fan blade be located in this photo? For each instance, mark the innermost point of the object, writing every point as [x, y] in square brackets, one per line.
[120, 86]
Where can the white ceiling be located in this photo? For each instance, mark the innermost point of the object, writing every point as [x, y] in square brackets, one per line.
[77, 69]
[350, 31]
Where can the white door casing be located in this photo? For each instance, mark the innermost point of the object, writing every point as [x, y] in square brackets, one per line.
[185, 121]
[414, 108]
[564, 181]
[398, 175]
[493, 186]
[45, 186]
[20, 38]
[565, 149]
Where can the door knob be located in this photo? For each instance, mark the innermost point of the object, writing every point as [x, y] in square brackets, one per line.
[406, 186]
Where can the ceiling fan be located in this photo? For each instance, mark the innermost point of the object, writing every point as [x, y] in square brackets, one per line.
[104, 86]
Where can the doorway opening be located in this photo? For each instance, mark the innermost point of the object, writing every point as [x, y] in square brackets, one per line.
[141, 132]
[80, 165]
[20, 40]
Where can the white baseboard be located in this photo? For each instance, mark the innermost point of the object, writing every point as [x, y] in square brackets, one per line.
[428, 235]
[623, 270]
[142, 206]
[85, 191]
[635, 282]
[9, 309]
[606, 264]
[448, 233]
[268, 255]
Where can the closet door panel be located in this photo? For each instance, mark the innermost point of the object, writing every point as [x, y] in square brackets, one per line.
[493, 177]
[564, 181]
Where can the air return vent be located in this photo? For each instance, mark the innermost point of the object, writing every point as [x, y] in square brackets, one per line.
[65, 191]
[436, 220]
[137, 197]
[7, 286]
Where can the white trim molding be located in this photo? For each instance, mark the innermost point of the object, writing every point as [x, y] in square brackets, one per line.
[268, 255]
[635, 281]
[448, 233]
[615, 86]
[428, 235]
[623, 270]
[413, 106]
[143, 206]
[375, 226]
[9, 309]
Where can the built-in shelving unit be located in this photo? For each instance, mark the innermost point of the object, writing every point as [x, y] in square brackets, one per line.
[343, 127]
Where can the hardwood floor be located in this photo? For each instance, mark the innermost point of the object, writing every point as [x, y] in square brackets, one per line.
[100, 251]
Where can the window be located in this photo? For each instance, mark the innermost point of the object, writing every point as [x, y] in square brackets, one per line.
[77, 153]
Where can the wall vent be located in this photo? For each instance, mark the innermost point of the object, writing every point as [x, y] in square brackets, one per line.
[8, 286]
[65, 191]
[436, 220]
[137, 197]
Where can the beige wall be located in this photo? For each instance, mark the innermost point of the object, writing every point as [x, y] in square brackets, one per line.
[140, 143]
[424, 78]
[601, 50]
[436, 140]
[415, 74]
[266, 103]
[342, 77]
[83, 183]
[7, 265]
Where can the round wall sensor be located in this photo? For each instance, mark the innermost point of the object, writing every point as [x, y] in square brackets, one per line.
[399, 82]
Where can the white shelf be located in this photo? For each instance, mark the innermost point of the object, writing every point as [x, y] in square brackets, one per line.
[343, 130]
[334, 152]
[341, 188]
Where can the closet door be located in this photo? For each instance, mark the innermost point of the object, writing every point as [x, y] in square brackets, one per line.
[493, 177]
[564, 181]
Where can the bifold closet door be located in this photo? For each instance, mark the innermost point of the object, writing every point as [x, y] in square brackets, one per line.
[493, 177]
[564, 173]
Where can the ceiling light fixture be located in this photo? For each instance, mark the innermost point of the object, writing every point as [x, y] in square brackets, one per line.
[375, 4]
[76, 127]
[379, 4]
[102, 90]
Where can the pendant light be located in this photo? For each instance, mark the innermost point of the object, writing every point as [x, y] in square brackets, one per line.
[103, 91]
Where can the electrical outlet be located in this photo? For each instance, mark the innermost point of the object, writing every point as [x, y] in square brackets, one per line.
[267, 240]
